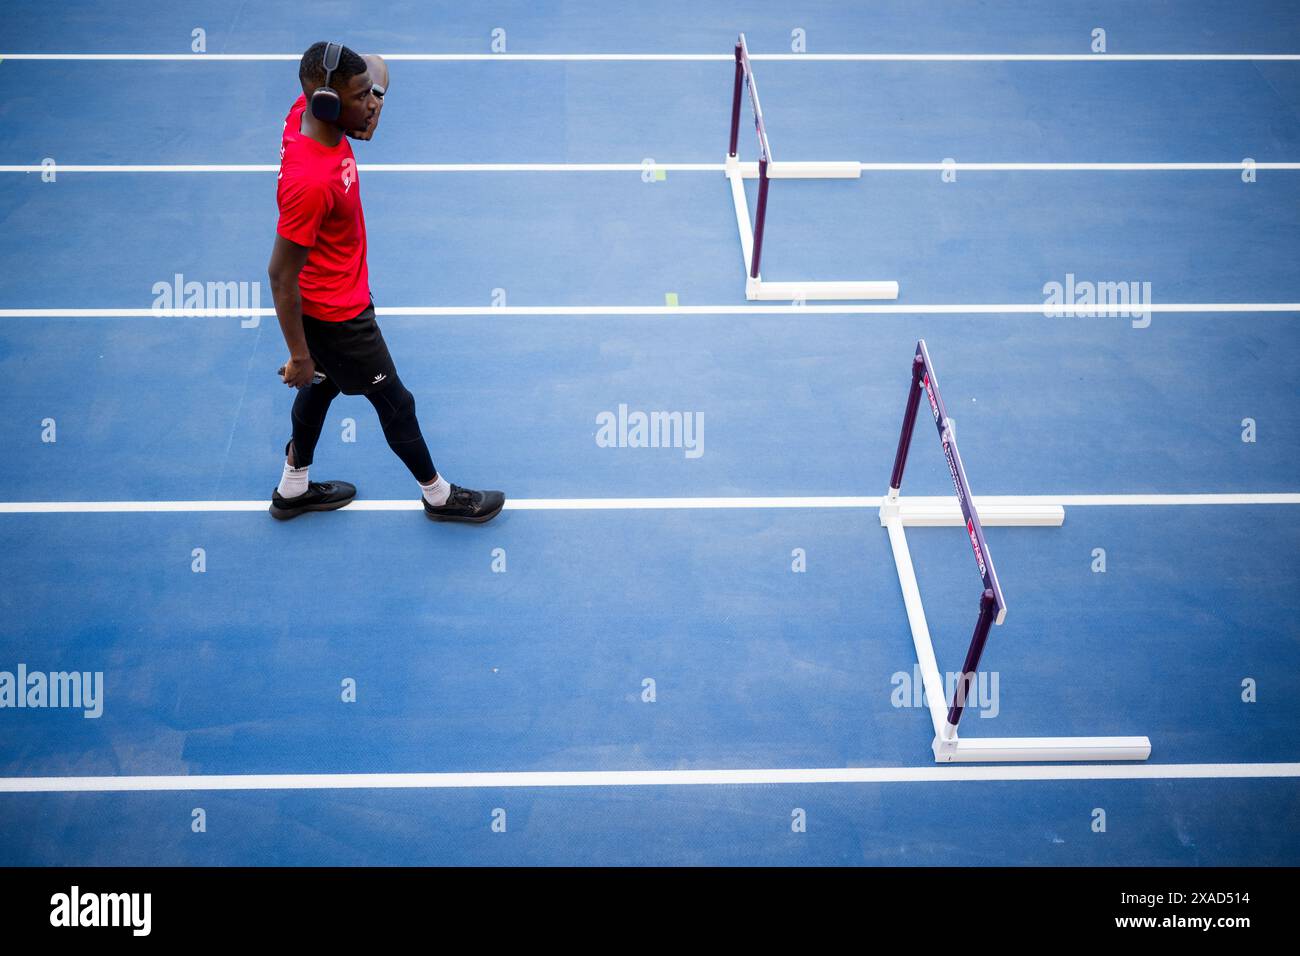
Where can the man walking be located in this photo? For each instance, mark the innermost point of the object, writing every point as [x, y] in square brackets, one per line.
[321, 287]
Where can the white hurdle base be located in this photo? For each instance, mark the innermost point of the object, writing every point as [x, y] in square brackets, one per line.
[927, 512]
[802, 170]
[897, 513]
[1040, 749]
[756, 289]
[795, 291]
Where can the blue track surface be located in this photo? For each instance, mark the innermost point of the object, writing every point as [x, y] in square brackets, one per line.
[237, 670]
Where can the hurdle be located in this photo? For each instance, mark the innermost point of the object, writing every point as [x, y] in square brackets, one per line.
[896, 514]
[765, 170]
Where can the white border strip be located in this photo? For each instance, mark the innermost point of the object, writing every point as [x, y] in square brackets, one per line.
[667, 167]
[948, 773]
[695, 57]
[969, 308]
[662, 504]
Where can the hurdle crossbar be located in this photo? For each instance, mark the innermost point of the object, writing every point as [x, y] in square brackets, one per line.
[765, 170]
[895, 515]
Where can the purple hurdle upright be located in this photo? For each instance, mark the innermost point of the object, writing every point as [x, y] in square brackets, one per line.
[745, 78]
[909, 422]
[973, 654]
[735, 102]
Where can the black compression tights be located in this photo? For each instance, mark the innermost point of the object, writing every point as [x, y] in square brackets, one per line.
[395, 406]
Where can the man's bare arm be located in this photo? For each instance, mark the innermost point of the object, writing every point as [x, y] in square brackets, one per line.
[287, 260]
[378, 69]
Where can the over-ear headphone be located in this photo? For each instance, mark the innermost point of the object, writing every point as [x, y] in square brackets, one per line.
[325, 102]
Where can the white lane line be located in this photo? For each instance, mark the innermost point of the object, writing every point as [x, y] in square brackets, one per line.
[667, 167]
[1010, 308]
[698, 57]
[402, 168]
[950, 773]
[1067, 167]
[634, 504]
[1121, 500]
[403, 504]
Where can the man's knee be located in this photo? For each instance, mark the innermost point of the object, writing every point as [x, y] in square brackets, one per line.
[396, 407]
[404, 402]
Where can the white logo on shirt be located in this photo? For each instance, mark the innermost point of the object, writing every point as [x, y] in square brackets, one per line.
[349, 174]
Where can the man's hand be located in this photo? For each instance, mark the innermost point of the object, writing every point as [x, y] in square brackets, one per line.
[287, 260]
[378, 70]
[298, 372]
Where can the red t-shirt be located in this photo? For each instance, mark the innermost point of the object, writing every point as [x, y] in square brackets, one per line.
[320, 207]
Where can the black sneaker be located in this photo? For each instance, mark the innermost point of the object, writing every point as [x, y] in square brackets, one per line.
[319, 496]
[466, 505]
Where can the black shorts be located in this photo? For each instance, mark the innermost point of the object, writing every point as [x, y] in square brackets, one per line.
[352, 353]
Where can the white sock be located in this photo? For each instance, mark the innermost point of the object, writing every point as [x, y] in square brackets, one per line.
[435, 492]
[293, 482]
